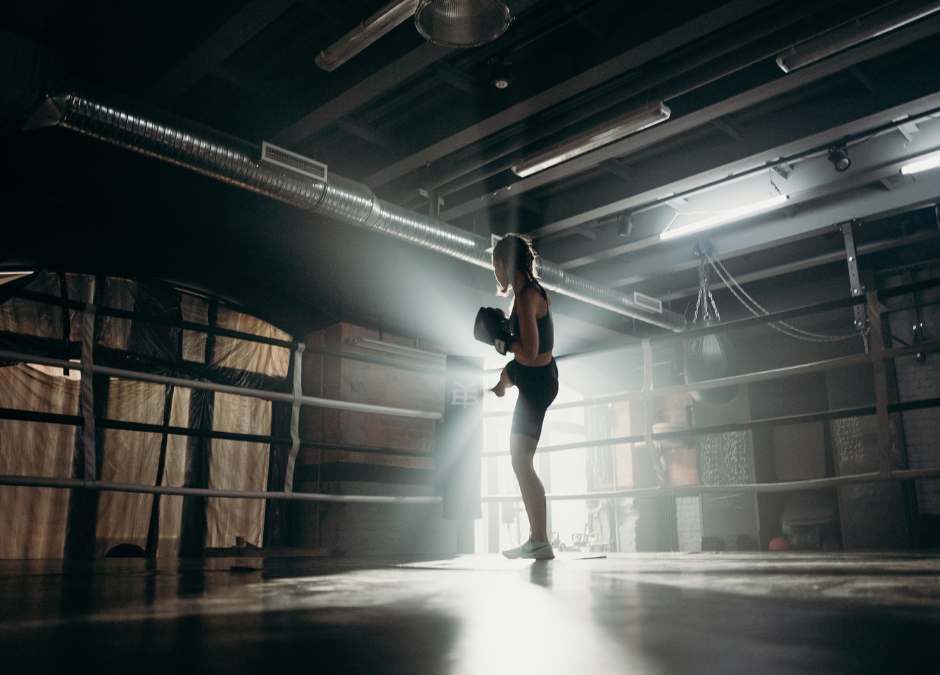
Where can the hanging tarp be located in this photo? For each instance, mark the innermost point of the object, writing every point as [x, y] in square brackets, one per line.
[37, 522]
[32, 520]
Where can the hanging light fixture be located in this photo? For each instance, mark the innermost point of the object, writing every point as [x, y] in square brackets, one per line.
[855, 32]
[621, 127]
[462, 23]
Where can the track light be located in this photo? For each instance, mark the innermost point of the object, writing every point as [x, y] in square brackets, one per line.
[848, 35]
[726, 217]
[367, 32]
[931, 162]
[840, 159]
[621, 127]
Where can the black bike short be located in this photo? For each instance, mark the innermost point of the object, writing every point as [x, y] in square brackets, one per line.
[538, 387]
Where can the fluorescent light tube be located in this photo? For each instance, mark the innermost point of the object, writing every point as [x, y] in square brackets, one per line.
[625, 125]
[367, 32]
[855, 32]
[726, 217]
[931, 162]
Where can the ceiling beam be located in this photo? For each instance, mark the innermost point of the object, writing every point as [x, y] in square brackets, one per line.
[729, 127]
[676, 126]
[527, 203]
[248, 83]
[371, 87]
[366, 133]
[335, 11]
[865, 201]
[810, 184]
[808, 263]
[455, 78]
[225, 41]
[582, 20]
[655, 188]
[633, 58]
[618, 168]
[862, 78]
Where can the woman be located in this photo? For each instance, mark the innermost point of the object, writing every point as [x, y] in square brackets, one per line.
[534, 372]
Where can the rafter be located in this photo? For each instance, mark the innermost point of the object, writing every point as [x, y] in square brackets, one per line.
[677, 126]
[865, 202]
[633, 58]
[225, 41]
[366, 90]
[805, 137]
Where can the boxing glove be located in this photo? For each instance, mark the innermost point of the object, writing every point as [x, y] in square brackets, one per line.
[492, 327]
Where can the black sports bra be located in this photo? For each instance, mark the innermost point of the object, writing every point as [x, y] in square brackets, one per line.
[545, 325]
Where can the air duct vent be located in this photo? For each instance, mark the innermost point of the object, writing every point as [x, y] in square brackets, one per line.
[646, 302]
[271, 154]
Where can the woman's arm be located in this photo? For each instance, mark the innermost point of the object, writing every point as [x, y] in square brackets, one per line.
[526, 346]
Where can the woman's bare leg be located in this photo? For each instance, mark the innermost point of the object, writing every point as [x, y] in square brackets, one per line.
[503, 384]
[522, 449]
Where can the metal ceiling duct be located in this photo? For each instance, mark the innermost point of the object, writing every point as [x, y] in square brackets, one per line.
[235, 161]
[462, 23]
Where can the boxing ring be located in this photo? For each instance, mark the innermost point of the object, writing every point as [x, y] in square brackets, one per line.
[88, 422]
[882, 410]
[877, 357]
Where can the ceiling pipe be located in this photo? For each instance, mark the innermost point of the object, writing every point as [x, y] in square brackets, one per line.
[235, 161]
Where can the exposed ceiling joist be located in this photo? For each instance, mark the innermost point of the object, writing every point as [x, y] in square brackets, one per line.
[809, 263]
[527, 203]
[455, 78]
[578, 258]
[862, 78]
[618, 168]
[633, 58]
[366, 90]
[867, 201]
[729, 127]
[232, 35]
[366, 133]
[816, 183]
[248, 83]
[334, 10]
[677, 126]
[582, 20]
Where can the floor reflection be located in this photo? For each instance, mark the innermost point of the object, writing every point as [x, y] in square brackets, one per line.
[477, 614]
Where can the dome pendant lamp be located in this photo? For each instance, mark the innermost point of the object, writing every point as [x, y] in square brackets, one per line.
[462, 23]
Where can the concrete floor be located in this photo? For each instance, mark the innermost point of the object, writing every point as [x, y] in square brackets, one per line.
[626, 613]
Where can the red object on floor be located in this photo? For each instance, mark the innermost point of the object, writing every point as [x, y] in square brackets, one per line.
[779, 544]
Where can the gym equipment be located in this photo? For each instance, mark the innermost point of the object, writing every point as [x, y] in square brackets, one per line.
[492, 327]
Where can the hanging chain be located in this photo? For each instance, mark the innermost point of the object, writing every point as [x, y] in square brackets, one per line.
[706, 301]
[781, 326]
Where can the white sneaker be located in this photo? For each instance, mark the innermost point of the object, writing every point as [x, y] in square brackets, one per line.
[534, 550]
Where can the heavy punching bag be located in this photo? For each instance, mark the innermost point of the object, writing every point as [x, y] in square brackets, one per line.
[710, 357]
